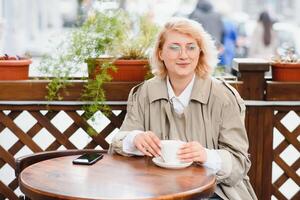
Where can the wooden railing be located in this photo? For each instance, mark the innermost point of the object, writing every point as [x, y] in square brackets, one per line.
[267, 102]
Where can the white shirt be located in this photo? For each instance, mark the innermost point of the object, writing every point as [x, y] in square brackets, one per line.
[182, 101]
[179, 103]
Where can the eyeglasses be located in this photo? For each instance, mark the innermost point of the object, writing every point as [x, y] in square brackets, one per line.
[192, 50]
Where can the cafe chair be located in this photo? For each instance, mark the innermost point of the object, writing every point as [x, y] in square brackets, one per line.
[27, 160]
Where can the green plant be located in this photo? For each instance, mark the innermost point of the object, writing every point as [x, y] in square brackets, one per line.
[93, 39]
[136, 45]
[93, 90]
[108, 33]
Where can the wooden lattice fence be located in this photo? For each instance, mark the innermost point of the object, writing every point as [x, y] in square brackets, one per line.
[8, 113]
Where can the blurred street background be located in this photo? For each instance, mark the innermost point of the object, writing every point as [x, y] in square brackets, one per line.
[27, 26]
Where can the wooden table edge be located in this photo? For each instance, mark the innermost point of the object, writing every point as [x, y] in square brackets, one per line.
[206, 190]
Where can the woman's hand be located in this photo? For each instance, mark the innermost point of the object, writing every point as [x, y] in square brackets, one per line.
[148, 143]
[192, 152]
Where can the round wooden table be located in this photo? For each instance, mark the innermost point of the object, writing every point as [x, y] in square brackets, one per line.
[113, 177]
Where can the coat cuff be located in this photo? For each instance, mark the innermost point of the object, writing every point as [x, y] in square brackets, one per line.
[213, 160]
[128, 145]
[226, 164]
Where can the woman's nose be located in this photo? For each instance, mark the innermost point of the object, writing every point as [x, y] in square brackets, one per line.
[183, 54]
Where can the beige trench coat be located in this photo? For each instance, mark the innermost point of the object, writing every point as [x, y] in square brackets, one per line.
[214, 117]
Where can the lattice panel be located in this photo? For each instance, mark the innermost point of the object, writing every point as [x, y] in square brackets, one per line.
[64, 127]
[61, 128]
[286, 156]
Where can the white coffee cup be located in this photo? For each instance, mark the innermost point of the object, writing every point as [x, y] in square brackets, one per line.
[169, 149]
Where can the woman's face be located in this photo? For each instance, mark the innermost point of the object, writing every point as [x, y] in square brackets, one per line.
[180, 53]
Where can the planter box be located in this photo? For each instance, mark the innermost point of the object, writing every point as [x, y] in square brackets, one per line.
[130, 70]
[14, 69]
[127, 70]
[288, 72]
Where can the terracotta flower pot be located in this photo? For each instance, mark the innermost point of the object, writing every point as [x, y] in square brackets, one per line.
[127, 70]
[289, 72]
[12, 69]
[130, 70]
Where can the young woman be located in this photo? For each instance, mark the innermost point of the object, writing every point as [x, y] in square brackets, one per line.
[184, 102]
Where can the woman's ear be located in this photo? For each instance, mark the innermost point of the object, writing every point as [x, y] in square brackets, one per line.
[160, 55]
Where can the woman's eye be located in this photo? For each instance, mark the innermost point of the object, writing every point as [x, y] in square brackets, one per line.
[191, 47]
[174, 47]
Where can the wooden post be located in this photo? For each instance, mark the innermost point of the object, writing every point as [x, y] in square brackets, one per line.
[252, 73]
[267, 153]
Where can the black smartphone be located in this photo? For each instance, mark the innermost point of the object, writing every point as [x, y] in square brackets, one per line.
[88, 158]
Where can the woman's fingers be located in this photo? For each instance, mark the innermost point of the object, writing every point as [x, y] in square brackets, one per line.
[148, 143]
[192, 152]
[139, 143]
[144, 150]
[189, 154]
[190, 157]
[153, 143]
[151, 152]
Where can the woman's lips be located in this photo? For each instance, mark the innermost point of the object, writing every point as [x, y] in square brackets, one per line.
[182, 64]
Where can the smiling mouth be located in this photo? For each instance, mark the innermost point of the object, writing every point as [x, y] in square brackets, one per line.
[182, 64]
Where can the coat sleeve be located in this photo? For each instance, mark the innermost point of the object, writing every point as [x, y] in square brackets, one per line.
[133, 120]
[233, 141]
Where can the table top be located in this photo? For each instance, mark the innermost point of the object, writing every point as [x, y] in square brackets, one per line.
[113, 177]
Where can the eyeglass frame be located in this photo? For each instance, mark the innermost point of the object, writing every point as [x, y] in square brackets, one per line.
[171, 48]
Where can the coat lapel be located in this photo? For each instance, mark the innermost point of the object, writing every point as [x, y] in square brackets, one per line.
[201, 90]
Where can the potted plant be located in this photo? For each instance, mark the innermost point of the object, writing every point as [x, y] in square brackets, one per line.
[101, 34]
[130, 55]
[286, 67]
[14, 67]
[91, 40]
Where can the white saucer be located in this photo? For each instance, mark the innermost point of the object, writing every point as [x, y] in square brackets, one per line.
[159, 162]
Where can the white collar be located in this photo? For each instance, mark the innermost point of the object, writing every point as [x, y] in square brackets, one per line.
[185, 95]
